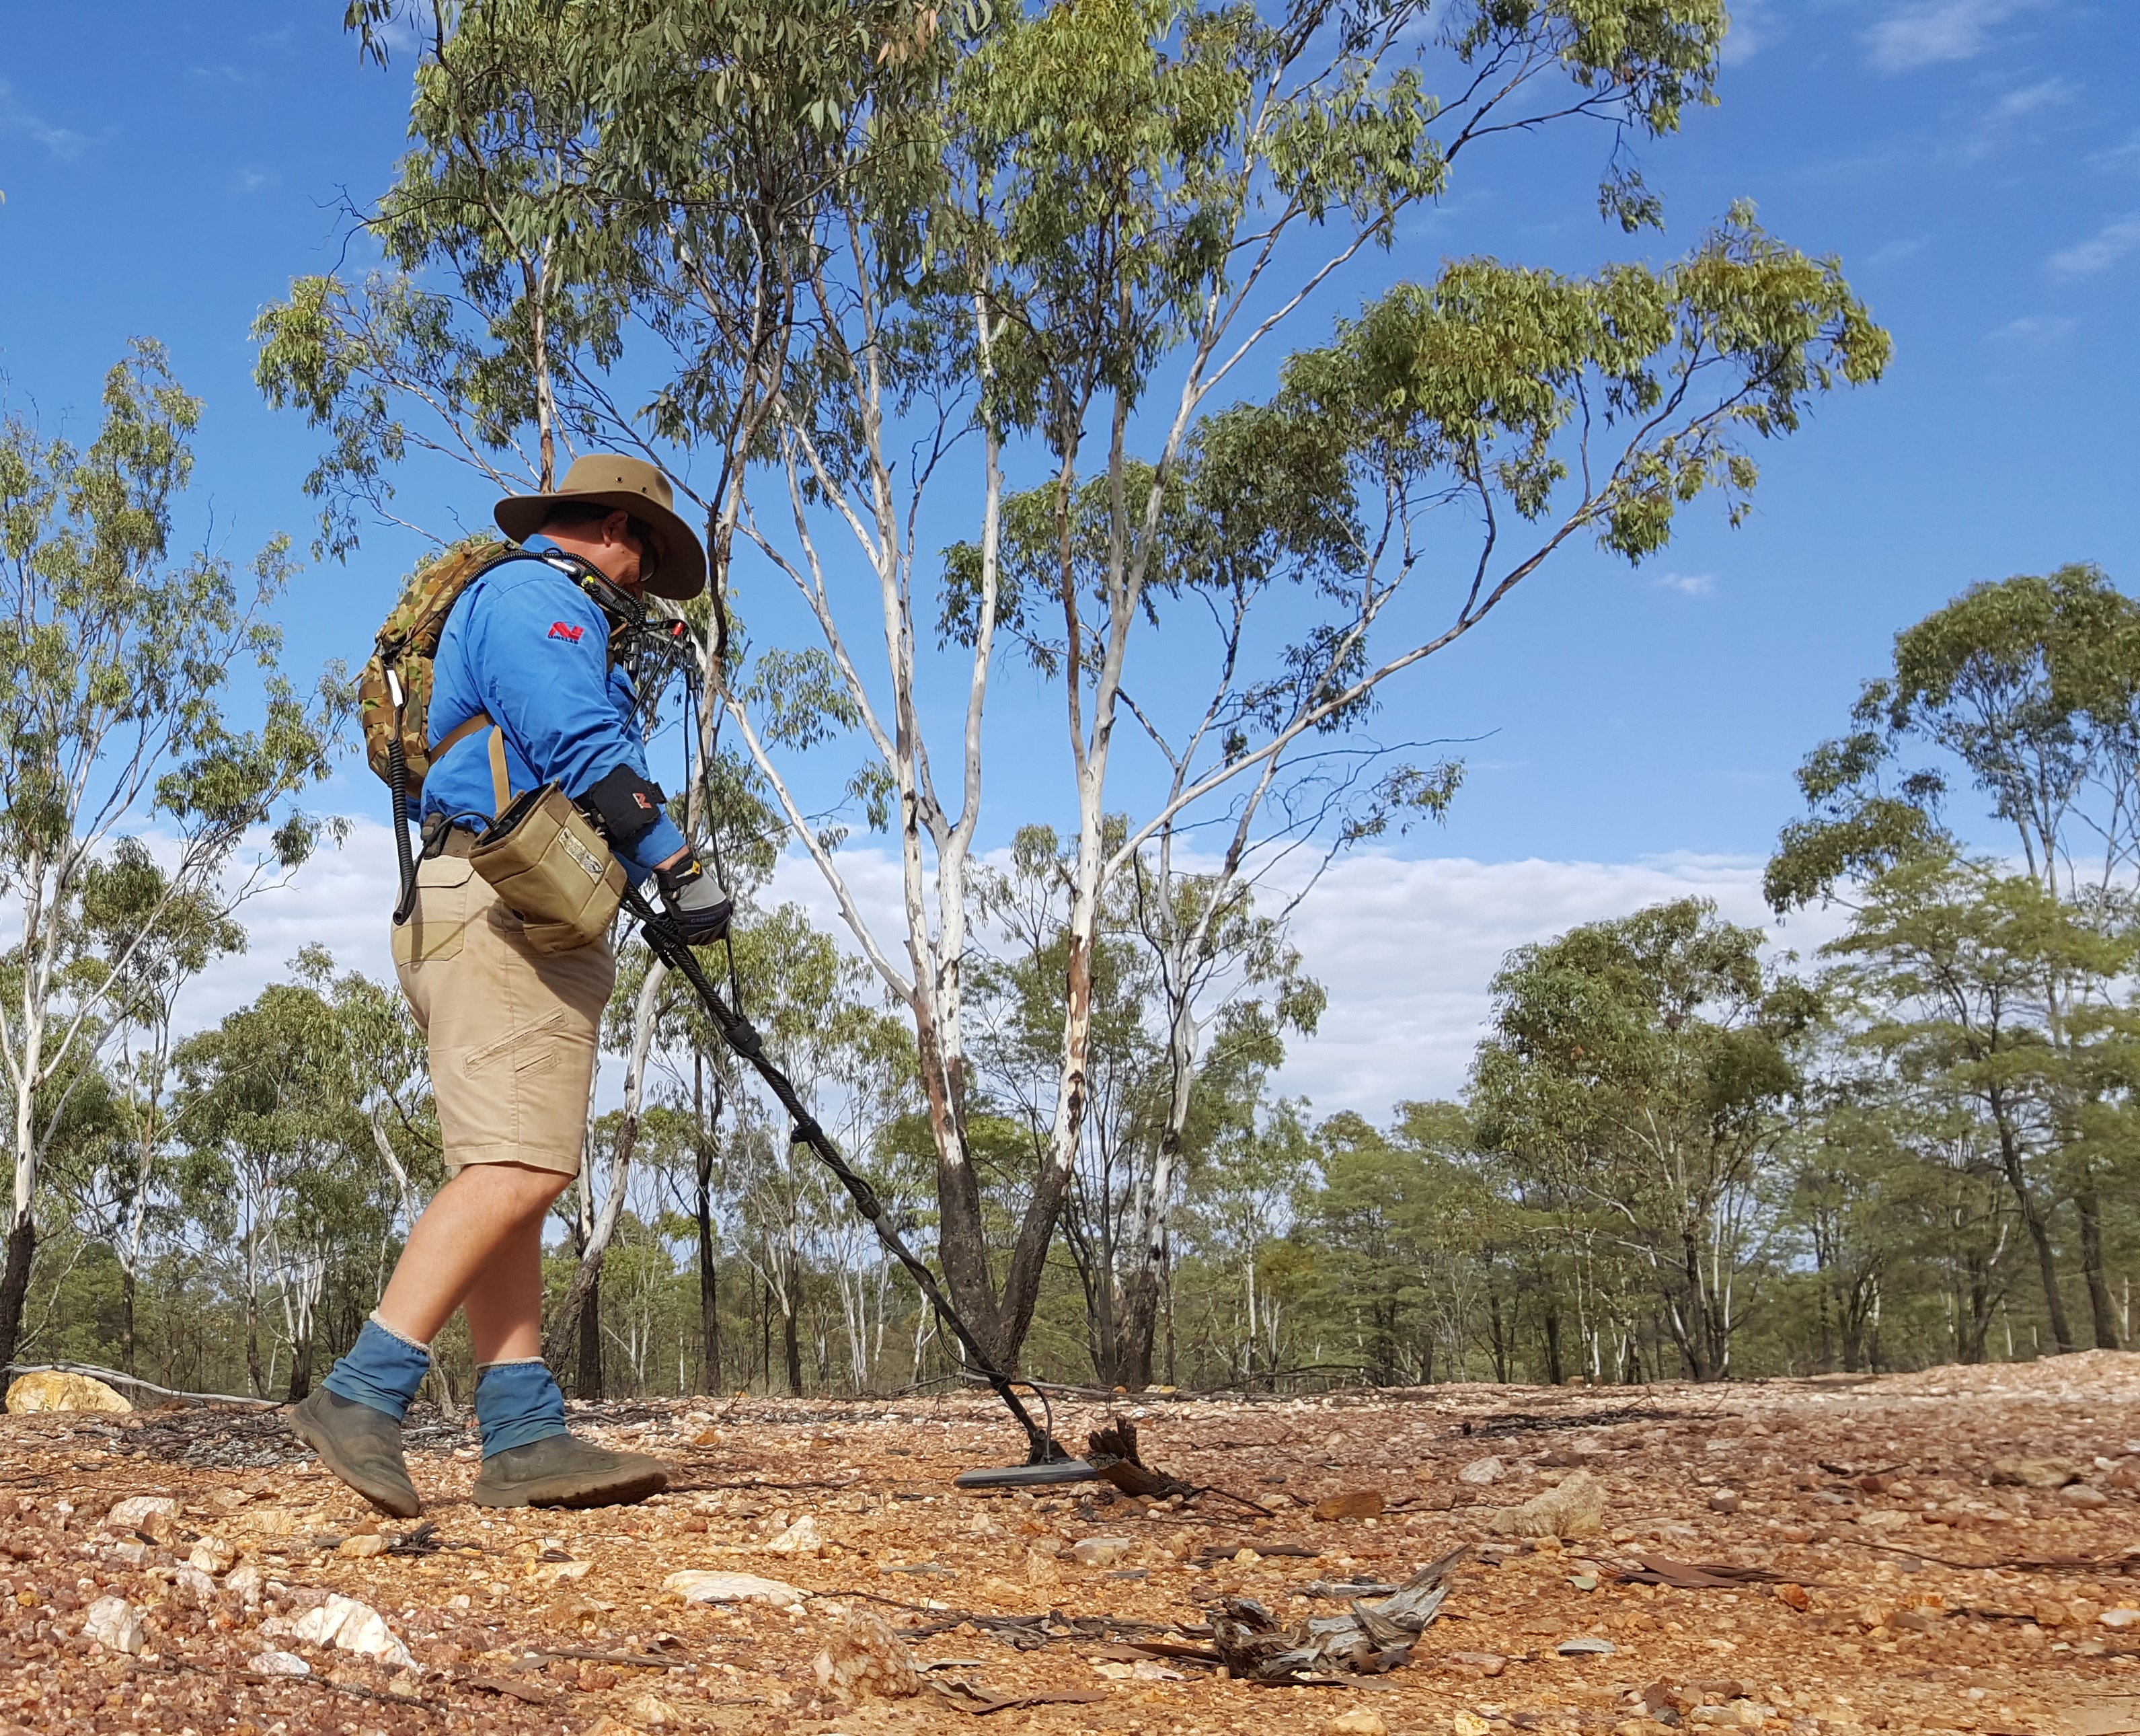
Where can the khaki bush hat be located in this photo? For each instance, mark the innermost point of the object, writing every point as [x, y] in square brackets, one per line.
[610, 478]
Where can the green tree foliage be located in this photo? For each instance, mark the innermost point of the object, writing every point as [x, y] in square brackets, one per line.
[1643, 1071]
[116, 664]
[847, 245]
[2028, 686]
[1963, 978]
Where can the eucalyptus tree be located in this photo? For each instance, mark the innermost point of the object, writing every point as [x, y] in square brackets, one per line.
[1141, 198]
[889, 255]
[279, 1165]
[2029, 688]
[1237, 1208]
[1647, 1068]
[116, 660]
[118, 894]
[1953, 968]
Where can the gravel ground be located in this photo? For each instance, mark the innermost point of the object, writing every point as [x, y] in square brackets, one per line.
[1901, 1578]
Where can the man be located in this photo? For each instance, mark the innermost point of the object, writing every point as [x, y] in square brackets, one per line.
[523, 681]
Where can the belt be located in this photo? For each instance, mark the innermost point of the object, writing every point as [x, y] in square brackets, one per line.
[459, 841]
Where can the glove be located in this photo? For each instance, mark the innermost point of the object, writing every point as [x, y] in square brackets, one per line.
[694, 901]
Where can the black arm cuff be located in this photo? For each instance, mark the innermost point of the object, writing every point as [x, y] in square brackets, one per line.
[625, 805]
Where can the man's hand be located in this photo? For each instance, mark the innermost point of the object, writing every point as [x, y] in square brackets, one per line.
[694, 899]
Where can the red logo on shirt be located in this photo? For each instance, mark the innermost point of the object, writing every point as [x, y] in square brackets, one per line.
[562, 630]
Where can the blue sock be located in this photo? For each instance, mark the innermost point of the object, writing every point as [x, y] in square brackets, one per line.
[517, 1403]
[383, 1369]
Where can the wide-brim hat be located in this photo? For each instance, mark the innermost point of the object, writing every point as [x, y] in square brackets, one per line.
[632, 485]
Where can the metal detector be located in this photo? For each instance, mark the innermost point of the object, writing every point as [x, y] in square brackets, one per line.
[1047, 1459]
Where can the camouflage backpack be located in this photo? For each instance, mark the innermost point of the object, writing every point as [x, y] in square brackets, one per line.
[406, 644]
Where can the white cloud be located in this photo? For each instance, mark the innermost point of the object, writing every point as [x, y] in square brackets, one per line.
[1688, 584]
[2101, 251]
[1893, 253]
[2045, 94]
[1932, 30]
[1404, 948]
[62, 142]
[2033, 328]
[342, 899]
[1753, 28]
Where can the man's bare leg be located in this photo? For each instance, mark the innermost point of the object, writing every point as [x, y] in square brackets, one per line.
[479, 1242]
[504, 1304]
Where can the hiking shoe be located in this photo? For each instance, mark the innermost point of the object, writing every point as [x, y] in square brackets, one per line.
[360, 1445]
[562, 1470]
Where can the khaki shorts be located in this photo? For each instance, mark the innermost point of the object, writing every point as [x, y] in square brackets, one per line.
[512, 1031]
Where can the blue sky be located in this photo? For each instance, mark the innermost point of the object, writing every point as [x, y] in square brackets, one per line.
[1976, 163]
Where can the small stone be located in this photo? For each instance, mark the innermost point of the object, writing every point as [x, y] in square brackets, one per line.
[1573, 1507]
[1352, 1504]
[1360, 1721]
[1469, 1724]
[360, 1548]
[213, 1554]
[2035, 1473]
[280, 1663]
[652, 1710]
[2082, 1494]
[348, 1625]
[114, 1624]
[699, 1585]
[1486, 1663]
[2120, 1618]
[1100, 1552]
[195, 1586]
[1585, 1645]
[1724, 1501]
[138, 1508]
[246, 1584]
[1483, 1471]
[866, 1660]
[802, 1537]
[1793, 1597]
[555, 1573]
[54, 1391]
[158, 1515]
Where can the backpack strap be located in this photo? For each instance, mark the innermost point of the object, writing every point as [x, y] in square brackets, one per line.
[500, 787]
[459, 733]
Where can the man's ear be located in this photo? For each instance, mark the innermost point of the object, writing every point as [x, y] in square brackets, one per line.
[616, 526]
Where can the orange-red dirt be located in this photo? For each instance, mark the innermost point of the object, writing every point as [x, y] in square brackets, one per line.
[1899, 1607]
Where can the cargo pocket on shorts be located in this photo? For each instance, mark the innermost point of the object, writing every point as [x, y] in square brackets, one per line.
[438, 925]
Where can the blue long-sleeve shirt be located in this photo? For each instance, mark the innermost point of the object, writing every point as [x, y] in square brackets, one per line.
[529, 646]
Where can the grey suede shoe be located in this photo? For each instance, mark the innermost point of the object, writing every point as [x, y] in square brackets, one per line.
[562, 1470]
[360, 1445]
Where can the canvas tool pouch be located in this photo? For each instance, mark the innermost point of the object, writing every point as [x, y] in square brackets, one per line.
[547, 864]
